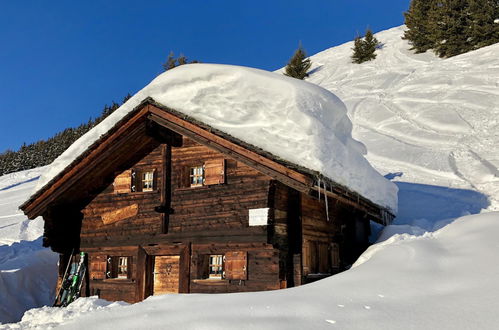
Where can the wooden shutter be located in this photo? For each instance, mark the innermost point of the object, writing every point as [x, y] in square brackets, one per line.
[214, 171]
[314, 257]
[97, 267]
[236, 265]
[203, 264]
[324, 264]
[154, 180]
[136, 180]
[111, 267]
[122, 182]
[129, 267]
[335, 256]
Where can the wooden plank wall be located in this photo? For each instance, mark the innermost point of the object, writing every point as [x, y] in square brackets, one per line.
[317, 235]
[215, 212]
[145, 222]
[285, 230]
[208, 213]
[211, 217]
[114, 289]
[262, 269]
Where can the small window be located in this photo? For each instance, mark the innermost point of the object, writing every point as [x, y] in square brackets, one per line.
[122, 267]
[196, 176]
[215, 268]
[143, 180]
[147, 180]
[118, 267]
[212, 172]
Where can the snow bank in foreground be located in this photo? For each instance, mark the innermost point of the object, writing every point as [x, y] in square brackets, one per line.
[294, 120]
[27, 270]
[445, 279]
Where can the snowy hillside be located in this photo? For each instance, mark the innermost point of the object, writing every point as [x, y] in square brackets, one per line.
[27, 271]
[431, 125]
[424, 120]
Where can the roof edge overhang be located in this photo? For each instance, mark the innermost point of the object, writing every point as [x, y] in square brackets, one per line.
[295, 176]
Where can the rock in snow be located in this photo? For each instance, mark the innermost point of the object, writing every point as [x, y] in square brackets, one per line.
[292, 119]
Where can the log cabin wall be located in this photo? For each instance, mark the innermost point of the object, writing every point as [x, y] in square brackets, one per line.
[102, 220]
[209, 219]
[332, 239]
[285, 232]
[217, 212]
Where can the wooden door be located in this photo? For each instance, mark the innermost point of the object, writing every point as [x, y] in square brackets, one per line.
[166, 274]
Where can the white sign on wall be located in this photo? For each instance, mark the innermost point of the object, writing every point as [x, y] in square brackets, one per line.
[258, 217]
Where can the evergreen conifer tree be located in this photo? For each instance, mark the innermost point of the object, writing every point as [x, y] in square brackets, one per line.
[170, 62]
[419, 26]
[453, 34]
[364, 49]
[298, 65]
[358, 50]
[181, 60]
[484, 16]
[173, 62]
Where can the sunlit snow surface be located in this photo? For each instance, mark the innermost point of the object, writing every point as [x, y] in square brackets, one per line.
[27, 270]
[423, 119]
[428, 271]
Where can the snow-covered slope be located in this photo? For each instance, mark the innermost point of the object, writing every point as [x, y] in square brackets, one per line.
[423, 119]
[27, 271]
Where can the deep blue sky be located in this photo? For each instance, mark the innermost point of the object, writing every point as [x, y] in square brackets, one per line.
[61, 61]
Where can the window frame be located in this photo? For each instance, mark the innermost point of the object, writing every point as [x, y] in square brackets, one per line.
[147, 184]
[115, 267]
[216, 275]
[194, 177]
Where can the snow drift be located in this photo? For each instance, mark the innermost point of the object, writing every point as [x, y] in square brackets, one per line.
[28, 272]
[439, 280]
[294, 120]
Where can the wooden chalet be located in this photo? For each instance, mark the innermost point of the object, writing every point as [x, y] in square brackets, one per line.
[163, 203]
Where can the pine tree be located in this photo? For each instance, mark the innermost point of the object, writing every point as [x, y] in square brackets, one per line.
[358, 50]
[484, 22]
[370, 45]
[364, 49]
[453, 35]
[173, 62]
[452, 27]
[298, 65]
[181, 60]
[419, 26]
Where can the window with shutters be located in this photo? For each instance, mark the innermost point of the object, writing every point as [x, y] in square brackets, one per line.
[212, 172]
[143, 180]
[118, 267]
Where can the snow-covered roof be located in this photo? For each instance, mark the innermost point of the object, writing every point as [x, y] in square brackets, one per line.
[292, 119]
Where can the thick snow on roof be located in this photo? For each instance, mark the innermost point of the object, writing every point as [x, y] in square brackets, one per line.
[292, 119]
